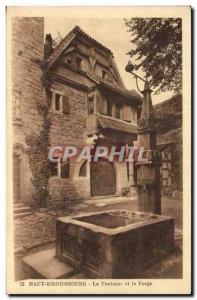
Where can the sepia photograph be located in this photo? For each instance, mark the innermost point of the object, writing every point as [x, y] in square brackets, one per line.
[99, 197]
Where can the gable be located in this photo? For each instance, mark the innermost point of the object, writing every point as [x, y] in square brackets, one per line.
[81, 51]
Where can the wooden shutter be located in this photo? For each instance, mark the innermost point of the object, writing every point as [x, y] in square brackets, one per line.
[65, 104]
[127, 113]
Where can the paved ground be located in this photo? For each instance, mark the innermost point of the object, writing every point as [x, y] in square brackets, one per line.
[37, 231]
[39, 228]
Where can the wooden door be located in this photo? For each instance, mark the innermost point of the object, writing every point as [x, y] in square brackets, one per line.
[103, 178]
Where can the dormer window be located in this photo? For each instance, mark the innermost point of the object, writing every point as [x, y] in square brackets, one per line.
[104, 74]
[69, 61]
[79, 63]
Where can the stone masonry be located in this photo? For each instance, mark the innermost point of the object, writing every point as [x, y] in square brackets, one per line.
[27, 90]
[79, 69]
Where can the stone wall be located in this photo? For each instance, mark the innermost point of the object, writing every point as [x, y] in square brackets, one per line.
[27, 39]
[69, 130]
[27, 53]
[67, 191]
[66, 129]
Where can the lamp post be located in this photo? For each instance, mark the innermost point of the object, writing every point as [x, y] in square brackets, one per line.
[148, 169]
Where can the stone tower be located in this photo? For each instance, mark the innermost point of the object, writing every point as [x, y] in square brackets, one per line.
[27, 50]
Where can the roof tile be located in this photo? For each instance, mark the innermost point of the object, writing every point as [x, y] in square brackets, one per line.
[107, 122]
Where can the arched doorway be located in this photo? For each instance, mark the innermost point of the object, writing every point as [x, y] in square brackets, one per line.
[16, 178]
[102, 178]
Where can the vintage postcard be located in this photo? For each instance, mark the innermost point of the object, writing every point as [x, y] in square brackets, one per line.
[99, 150]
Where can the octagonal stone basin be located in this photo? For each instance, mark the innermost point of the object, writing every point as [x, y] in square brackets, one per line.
[115, 243]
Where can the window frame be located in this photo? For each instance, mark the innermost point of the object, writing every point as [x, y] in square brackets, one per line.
[79, 66]
[104, 74]
[109, 105]
[120, 106]
[59, 169]
[85, 166]
[59, 100]
[53, 103]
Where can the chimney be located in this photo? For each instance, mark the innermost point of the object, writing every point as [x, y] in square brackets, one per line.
[48, 46]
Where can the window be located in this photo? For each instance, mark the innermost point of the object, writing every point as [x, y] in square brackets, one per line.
[109, 108]
[78, 62]
[60, 168]
[134, 115]
[53, 168]
[65, 169]
[104, 74]
[57, 102]
[118, 111]
[69, 61]
[83, 170]
[126, 113]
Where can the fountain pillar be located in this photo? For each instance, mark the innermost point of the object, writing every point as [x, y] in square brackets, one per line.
[148, 168]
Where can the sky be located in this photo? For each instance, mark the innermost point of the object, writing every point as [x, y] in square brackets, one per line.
[112, 33]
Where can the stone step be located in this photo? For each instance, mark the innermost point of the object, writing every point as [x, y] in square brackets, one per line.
[21, 215]
[44, 265]
[105, 197]
[18, 210]
[105, 201]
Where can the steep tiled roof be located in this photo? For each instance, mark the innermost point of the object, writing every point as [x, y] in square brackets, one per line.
[172, 136]
[67, 40]
[78, 30]
[59, 49]
[107, 122]
[170, 106]
[168, 114]
[115, 88]
[123, 92]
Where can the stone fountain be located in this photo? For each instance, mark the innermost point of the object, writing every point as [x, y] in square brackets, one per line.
[122, 244]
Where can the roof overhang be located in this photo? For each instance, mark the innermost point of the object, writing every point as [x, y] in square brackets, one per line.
[109, 123]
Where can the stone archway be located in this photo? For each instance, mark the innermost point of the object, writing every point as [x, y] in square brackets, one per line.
[102, 178]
